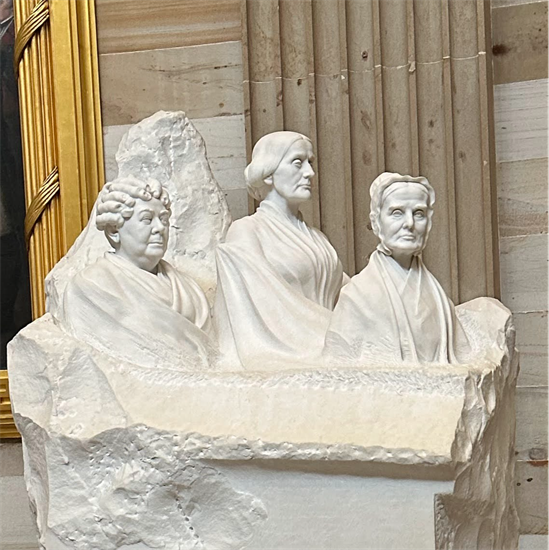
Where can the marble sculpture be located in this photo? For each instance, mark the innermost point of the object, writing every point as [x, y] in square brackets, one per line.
[278, 278]
[131, 303]
[397, 434]
[395, 309]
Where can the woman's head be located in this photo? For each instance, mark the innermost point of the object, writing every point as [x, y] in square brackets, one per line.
[267, 155]
[134, 215]
[401, 211]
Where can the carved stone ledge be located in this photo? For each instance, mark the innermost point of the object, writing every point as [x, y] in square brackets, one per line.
[120, 456]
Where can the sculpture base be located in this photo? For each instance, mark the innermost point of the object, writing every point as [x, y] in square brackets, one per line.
[119, 456]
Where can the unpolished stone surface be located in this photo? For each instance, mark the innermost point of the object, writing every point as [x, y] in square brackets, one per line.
[121, 456]
[166, 146]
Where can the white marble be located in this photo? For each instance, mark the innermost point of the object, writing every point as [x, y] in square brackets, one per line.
[161, 450]
[271, 447]
[115, 291]
[167, 148]
[225, 144]
[278, 278]
[132, 304]
[394, 309]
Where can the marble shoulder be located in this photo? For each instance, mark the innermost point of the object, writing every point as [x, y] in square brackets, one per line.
[243, 231]
[99, 272]
[185, 277]
[360, 279]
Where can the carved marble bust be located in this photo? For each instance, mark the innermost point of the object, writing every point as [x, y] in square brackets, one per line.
[177, 453]
[395, 309]
[278, 278]
[131, 303]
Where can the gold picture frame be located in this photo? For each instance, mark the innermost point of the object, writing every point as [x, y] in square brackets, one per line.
[56, 62]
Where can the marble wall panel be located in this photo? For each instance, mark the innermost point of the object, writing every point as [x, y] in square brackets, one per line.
[519, 41]
[532, 343]
[17, 528]
[522, 197]
[520, 111]
[523, 262]
[532, 417]
[11, 458]
[533, 542]
[135, 25]
[531, 498]
[204, 81]
[519, 38]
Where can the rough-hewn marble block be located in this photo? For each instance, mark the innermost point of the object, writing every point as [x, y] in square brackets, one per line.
[120, 456]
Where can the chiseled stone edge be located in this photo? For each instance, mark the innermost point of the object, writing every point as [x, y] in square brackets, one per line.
[202, 447]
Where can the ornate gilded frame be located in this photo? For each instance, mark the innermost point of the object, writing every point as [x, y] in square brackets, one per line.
[56, 62]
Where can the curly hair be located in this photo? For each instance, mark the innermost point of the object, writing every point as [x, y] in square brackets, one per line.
[117, 198]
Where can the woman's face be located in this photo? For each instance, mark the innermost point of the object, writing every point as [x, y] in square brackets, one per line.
[292, 178]
[404, 220]
[143, 239]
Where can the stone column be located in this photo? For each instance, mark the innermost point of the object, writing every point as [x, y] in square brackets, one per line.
[396, 85]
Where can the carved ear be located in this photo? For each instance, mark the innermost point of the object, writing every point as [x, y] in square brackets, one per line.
[113, 237]
[374, 224]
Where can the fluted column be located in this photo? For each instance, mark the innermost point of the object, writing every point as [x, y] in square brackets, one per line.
[434, 115]
[332, 137]
[264, 67]
[365, 139]
[395, 66]
[298, 85]
[397, 85]
[468, 158]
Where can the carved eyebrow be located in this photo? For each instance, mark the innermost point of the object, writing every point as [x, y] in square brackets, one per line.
[146, 211]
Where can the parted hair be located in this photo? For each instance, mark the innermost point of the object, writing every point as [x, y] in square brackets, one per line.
[117, 199]
[267, 154]
[379, 190]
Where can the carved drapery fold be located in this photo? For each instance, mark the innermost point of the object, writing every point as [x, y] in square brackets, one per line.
[396, 85]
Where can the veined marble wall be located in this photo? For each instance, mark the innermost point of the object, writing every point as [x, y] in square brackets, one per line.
[519, 38]
[176, 55]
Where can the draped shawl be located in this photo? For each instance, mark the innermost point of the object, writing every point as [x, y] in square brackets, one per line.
[141, 317]
[388, 314]
[277, 285]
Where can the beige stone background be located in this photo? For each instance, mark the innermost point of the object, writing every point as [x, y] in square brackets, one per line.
[187, 55]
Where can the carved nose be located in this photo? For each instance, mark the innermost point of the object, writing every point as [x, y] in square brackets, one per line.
[408, 220]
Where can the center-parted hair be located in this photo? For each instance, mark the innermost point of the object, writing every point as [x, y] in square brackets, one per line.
[267, 154]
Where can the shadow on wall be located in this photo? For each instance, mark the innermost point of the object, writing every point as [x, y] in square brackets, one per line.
[14, 277]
